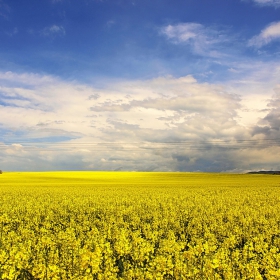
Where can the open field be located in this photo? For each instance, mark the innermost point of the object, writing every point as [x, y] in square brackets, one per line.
[133, 225]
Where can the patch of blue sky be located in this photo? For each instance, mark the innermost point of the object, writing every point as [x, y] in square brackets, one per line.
[50, 139]
[13, 96]
[114, 38]
[9, 137]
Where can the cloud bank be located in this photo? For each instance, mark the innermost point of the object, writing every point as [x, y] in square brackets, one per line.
[165, 123]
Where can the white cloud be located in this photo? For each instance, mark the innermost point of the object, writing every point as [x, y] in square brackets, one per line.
[183, 32]
[274, 3]
[54, 30]
[202, 39]
[254, 81]
[267, 35]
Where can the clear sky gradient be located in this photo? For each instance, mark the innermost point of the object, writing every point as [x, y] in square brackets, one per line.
[181, 85]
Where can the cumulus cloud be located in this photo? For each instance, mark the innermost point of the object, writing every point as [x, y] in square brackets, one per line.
[266, 36]
[200, 38]
[165, 123]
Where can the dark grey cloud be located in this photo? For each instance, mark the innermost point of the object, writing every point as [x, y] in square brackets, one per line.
[269, 126]
[94, 96]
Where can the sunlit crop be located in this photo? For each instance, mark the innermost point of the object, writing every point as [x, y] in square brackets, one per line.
[130, 225]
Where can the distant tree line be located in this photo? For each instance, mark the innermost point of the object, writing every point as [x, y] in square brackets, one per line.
[1, 172]
[265, 172]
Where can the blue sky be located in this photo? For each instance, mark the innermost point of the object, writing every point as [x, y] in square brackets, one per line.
[140, 85]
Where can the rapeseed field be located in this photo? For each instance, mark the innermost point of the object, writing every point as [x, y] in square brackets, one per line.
[133, 225]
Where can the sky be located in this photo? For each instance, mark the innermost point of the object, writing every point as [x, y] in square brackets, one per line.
[140, 85]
